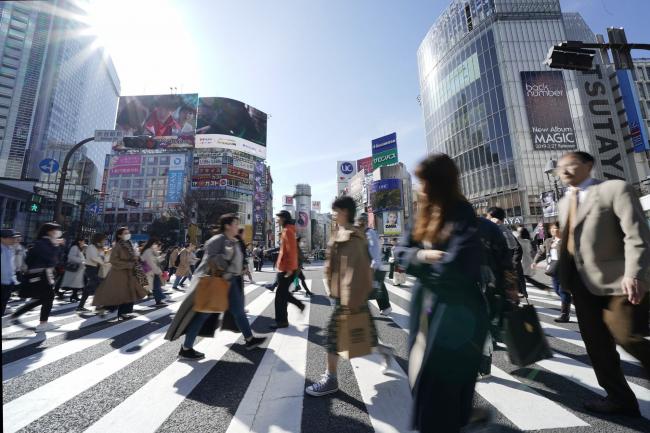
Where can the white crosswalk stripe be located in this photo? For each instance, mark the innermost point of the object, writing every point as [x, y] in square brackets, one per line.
[273, 399]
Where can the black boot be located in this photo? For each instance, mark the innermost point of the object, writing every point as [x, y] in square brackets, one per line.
[565, 313]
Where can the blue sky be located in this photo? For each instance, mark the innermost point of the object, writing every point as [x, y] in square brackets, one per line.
[332, 74]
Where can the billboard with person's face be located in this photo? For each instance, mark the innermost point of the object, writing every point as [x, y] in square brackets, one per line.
[549, 117]
[392, 223]
[549, 203]
[386, 194]
[157, 121]
[230, 124]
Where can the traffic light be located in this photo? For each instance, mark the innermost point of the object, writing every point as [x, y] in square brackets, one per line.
[35, 203]
[569, 55]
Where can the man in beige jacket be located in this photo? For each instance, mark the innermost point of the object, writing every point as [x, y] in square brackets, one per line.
[605, 263]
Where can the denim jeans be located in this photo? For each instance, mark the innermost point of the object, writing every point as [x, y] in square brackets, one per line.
[564, 296]
[236, 308]
[157, 289]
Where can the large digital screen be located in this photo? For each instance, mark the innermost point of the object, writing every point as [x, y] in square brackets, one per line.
[549, 117]
[386, 194]
[157, 121]
[231, 124]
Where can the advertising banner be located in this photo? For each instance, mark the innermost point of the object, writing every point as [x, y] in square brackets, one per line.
[345, 170]
[549, 203]
[126, 164]
[365, 164]
[157, 121]
[230, 124]
[392, 223]
[384, 151]
[549, 117]
[175, 179]
[633, 110]
[287, 200]
[315, 205]
[386, 194]
[259, 203]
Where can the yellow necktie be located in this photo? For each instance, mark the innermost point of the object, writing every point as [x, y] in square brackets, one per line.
[570, 222]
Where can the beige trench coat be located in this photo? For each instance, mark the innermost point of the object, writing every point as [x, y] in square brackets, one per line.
[120, 285]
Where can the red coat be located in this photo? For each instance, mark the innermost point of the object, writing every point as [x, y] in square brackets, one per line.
[288, 256]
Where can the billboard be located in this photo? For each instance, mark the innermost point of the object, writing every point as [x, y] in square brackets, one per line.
[230, 124]
[638, 133]
[259, 202]
[315, 205]
[392, 223]
[345, 170]
[547, 106]
[175, 179]
[384, 151]
[287, 200]
[125, 164]
[549, 203]
[386, 194]
[365, 164]
[157, 121]
[217, 169]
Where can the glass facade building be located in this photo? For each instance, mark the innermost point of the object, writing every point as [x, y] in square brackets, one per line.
[474, 107]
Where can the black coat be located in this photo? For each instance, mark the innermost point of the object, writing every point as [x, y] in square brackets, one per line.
[447, 299]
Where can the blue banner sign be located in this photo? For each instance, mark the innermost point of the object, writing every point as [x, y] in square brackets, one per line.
[633, 111]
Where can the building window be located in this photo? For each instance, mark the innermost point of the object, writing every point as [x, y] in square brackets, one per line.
[109, 218]
[121, 218]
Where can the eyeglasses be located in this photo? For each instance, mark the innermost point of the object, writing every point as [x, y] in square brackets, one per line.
[570, 166]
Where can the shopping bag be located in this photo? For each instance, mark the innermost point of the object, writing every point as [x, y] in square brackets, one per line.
[524, 337]
[211, 294]
[353, 334]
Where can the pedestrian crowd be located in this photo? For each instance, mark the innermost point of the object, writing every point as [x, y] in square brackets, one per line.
[470, 273]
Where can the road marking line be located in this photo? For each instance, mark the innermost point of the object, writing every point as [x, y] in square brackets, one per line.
[278, 384]
[77, 324]
[399, 292]
[584, 375]
[31, 406]
[16, 343]
[522, 405]
[384, 395]
[399, 315]
[172, 385]
[50, 355]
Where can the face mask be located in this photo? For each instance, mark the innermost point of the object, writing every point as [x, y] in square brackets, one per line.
[127, 237]
[57, 234]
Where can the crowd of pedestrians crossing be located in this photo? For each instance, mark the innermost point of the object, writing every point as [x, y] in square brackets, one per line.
[470, 272]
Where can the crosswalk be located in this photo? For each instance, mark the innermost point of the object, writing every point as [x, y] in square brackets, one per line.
[95, 375]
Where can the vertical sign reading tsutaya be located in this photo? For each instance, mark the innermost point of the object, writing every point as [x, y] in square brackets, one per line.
[175, 179]
[549, 117]
[384, 151]
[259, 203]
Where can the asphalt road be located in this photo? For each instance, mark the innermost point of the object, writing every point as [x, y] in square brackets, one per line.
[98, 375]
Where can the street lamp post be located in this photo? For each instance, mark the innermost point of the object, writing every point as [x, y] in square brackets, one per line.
[58, 208]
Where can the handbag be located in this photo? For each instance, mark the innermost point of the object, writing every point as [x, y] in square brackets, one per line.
[551, 268]
[524, 337]
[211, 294]
[145, 266]
[72, 267]
[36, 283]
[353, 334]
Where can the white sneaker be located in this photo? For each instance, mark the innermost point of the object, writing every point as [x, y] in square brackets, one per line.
[386, 312]
[386, 353]
[44, 327]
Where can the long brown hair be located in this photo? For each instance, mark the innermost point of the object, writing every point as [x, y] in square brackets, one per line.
[440, 192]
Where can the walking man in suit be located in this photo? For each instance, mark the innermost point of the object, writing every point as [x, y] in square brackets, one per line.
[605, 263]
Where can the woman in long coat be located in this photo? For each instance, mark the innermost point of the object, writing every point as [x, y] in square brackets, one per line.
[75, 279]
[222, 254]
[448, 320]
[125, 282]
[184, 270]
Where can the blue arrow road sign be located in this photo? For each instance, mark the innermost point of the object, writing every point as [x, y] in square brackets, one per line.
[93, 208]
[49, 165]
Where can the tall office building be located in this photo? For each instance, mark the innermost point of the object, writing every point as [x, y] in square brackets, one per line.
[56, 88]
[490, 103]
